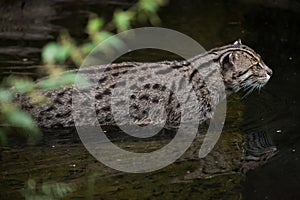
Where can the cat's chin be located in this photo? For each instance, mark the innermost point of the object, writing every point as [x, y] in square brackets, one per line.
[264, 81]
[230, 91]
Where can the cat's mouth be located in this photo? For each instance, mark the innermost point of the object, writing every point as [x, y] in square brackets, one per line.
[249, 86]
[264, 80]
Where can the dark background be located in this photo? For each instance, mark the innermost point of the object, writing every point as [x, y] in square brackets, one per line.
[272, 28]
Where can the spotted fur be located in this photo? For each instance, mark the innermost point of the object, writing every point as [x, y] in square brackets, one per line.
[229, 68]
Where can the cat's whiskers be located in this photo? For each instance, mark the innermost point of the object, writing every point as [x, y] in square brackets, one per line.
[249, 87]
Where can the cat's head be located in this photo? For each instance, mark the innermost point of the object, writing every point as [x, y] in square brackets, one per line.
[243, 69]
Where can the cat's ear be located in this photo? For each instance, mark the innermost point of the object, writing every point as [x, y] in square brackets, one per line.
[233, 57]
[238, 42]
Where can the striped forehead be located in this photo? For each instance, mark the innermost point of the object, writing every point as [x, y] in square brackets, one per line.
[225, 50]
[250, 52]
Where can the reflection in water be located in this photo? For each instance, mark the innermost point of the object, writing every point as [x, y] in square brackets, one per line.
[26, 20]
[26, 26]
[258, 143]
[65, 159]
[23, 24]
[270, 27]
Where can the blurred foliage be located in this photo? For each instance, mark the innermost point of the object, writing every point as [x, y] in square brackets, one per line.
[55, 55]
[11, 114]
[47, 191]
[98, 30]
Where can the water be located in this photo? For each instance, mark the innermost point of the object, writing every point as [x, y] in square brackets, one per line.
[271, 28]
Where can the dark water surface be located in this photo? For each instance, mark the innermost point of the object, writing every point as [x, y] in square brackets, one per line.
[272, 28]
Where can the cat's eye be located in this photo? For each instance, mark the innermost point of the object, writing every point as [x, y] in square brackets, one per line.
[259, 66]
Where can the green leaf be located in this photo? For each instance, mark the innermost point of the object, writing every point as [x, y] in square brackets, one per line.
[47, 83]
[122, 19]
[149, 5]
[20, 118]
[104, 35]
[65, 79]
[99, 37]
[70, 77]
[94, 25]
[58, 190]
[23, 85]
[49, 52]
[63, 53]
[54, 52]
[5, 96]
[148, 10]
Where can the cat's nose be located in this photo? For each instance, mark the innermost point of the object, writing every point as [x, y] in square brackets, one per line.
[269, 72]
